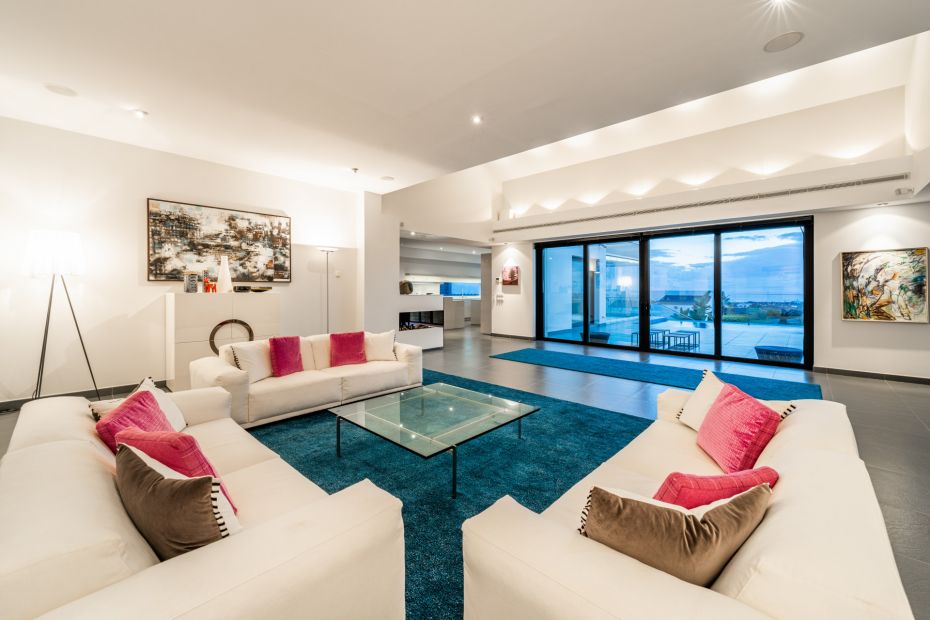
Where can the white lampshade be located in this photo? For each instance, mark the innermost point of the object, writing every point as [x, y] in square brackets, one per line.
[55, 251]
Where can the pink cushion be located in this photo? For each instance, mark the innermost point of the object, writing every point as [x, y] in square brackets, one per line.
[736, 430]
[285, 355]
[690, 491]
[179, 451]
[347, 348]
[139, 410]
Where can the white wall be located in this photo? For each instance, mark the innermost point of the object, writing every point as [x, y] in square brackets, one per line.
[380, 284]
[513, 310]
[455, 205]
[890, 348]
[917, 111]
[56, 179]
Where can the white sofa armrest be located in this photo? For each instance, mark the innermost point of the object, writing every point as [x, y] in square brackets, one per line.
[519, 565]
[203, 404]
[412, 356]
[670, 403]
[215, 372]
[308, 563]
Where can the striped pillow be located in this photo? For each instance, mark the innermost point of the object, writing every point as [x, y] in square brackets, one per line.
[736, 430]
[179, 451]
[174, 513]
[690, 491]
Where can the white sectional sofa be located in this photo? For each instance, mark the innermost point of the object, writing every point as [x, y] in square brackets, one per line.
[318, 387]
[821, 551]
[69, 550]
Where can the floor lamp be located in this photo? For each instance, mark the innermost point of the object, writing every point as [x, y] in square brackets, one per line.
[58, 254]
[327, 252]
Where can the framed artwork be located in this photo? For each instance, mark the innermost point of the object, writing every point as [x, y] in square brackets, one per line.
[885, 285]
[510, 275]
[186, 237]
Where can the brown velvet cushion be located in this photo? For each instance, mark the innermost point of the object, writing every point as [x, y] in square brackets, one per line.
[174, 516]
[682, 543]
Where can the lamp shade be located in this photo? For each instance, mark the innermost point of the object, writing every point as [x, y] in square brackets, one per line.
[55, 251]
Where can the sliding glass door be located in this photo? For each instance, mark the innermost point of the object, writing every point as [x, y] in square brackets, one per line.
[563, 288]
[762, 294]
[613, 293]
[740, 292]
[681, 293]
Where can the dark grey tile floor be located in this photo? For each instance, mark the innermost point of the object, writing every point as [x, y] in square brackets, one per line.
[891, 421]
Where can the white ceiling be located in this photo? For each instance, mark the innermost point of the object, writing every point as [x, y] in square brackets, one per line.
[308, 89]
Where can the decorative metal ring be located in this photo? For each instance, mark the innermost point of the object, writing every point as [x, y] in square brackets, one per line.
[247, 327]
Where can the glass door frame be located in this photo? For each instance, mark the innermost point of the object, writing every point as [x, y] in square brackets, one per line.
[806, 223]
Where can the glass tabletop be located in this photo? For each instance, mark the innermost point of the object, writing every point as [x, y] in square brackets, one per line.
[433, 418]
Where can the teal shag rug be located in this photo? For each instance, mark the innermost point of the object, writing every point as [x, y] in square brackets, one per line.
[562, 443]
[686, 378]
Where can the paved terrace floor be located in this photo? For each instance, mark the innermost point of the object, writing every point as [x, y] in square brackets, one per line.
[738, 339]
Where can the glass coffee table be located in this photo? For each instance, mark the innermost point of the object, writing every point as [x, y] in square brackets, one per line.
[432, 419]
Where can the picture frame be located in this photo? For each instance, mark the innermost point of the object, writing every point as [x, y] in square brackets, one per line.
[510, 275]
[191, 278]
[183, 237]
[885, 286]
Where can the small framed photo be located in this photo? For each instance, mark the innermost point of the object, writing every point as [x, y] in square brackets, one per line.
[190, 281]
[510, 275]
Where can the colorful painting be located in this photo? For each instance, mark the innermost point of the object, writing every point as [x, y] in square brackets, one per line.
[885, 285]
[510, 275]
[185, 237]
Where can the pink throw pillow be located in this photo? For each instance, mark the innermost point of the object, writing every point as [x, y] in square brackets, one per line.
[139, 410]
[179, 451]
[690, 491]
[285, 355]
[736, 430]
[347, 348]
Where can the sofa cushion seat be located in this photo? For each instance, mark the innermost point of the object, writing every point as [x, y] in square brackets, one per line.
[665, 447]
[567, 509]
[310, 389]
[813, 425]
[364, 380]
[823, 542]
[228, 446]
[268, 489]
[68, 534]
[55, 419]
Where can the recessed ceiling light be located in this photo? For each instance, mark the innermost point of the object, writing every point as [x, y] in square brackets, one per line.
[387, 178]
[413, 234]
[783, 41]
[58, 89]
[476, 119]
[442, 249]
[140, 114]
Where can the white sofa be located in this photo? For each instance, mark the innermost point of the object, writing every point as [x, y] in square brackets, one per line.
[69, 550]
[822, 550]
[318, 387]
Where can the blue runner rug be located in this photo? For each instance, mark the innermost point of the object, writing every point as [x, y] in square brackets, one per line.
[562, 443]
[687, 378]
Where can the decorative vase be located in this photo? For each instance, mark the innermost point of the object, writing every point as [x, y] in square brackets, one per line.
[223, 277]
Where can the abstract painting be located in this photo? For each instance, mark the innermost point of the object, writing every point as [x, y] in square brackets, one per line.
[885, 285]
[185, 237]
[510, 275]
